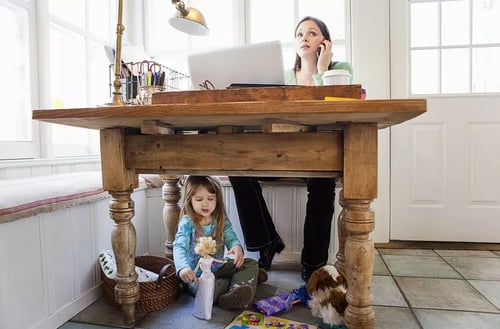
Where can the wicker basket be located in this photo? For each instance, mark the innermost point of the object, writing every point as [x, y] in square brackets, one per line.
[152, 297]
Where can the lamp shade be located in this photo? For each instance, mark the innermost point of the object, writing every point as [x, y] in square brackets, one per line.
[190, 22]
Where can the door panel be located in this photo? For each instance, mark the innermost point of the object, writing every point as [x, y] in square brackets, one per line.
[445, 164]
[445, 172]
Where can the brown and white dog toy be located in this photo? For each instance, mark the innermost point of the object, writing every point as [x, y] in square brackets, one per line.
[328, 288]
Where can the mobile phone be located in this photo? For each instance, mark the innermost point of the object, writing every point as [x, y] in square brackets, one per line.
[318, 52]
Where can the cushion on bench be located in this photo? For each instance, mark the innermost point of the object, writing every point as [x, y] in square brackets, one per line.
[26, 197]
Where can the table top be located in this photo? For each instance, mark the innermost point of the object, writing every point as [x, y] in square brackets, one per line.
[194, 110]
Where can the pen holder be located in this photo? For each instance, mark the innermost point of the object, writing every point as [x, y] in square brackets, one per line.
[145, 94]
[136, 87]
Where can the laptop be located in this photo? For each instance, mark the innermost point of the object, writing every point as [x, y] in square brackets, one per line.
[258, 64]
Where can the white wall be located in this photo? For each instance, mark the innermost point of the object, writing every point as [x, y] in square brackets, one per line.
[371, 62]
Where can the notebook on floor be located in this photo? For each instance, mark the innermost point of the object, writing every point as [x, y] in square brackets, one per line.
[259, 64]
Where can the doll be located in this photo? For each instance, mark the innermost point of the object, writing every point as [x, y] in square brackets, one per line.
[203, 302]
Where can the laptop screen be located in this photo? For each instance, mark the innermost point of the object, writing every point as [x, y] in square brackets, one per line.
[250, 65]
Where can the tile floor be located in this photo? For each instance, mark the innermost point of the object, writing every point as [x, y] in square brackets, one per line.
[412, 289]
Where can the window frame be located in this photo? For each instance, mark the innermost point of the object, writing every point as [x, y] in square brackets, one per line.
[470, 46]
[39, 21]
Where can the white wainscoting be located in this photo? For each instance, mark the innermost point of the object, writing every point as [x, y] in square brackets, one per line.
[12, 169]
[287, 206]
[286, 203]
[49, 270]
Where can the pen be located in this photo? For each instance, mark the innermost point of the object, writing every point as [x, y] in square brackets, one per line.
[149, 77]
[162, 79]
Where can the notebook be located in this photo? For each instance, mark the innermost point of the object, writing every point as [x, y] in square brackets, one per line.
[250, 65]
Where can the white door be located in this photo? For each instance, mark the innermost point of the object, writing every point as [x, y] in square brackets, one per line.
[445, 165]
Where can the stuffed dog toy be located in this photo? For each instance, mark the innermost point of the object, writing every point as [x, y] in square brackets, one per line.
[328, 288]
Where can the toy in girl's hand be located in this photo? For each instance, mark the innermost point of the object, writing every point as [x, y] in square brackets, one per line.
[280, 303]
[203, 302]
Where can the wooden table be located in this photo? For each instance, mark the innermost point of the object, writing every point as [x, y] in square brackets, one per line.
[278, 131]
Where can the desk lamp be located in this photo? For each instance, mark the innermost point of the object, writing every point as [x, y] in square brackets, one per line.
[187, 19]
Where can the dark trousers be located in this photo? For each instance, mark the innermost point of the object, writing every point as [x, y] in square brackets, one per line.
[258, 227]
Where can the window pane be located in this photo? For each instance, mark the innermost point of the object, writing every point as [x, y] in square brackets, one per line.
[67, 68]
[102, 20]
[455, 22]
[331, 12]
[273, 29]
[98, 83]
[424, 71]
[71, 11]
[160, 36]
[455, 71]
[162, 40]
[288, 57]
[220, 20]
[16, 107]
[486, 21]
[474, 67]
[486, 69]
[339, 52]
[68, 89]
[424, 24]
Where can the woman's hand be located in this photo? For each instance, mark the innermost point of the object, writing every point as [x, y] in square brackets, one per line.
[325, 56]
[187, 275]
[238, 255]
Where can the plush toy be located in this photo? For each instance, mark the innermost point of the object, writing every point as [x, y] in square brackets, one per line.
[328, 288]
[203, 302]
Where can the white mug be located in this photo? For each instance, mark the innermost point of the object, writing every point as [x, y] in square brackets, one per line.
[336, 77]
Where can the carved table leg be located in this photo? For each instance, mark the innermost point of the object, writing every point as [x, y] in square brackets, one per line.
[120, 181]
[123, 241]
[360, 253]
[171, 193]
[360, 188]
[342, 233]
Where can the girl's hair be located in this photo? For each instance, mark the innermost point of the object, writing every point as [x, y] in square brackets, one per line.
[324, 30]
[213, 186]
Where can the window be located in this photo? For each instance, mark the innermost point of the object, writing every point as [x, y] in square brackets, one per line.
[78, 72]
[238, 22]
[55, 58]
[455, 46]
[290, 12]
[170, 46]
[15, 126]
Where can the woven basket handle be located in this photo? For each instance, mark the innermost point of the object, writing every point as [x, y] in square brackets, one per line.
[163, 275]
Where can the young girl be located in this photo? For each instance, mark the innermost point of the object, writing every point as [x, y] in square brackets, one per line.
[203, 215]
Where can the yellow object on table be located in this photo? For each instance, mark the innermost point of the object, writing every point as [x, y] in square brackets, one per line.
[332, 98]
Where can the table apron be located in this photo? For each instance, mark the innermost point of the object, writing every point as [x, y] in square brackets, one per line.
[317, 154]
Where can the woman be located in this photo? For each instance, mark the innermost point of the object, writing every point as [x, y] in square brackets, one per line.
[313, 58]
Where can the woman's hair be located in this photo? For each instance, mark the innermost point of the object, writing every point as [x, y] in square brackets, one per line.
[213, 186]
[322, 27]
